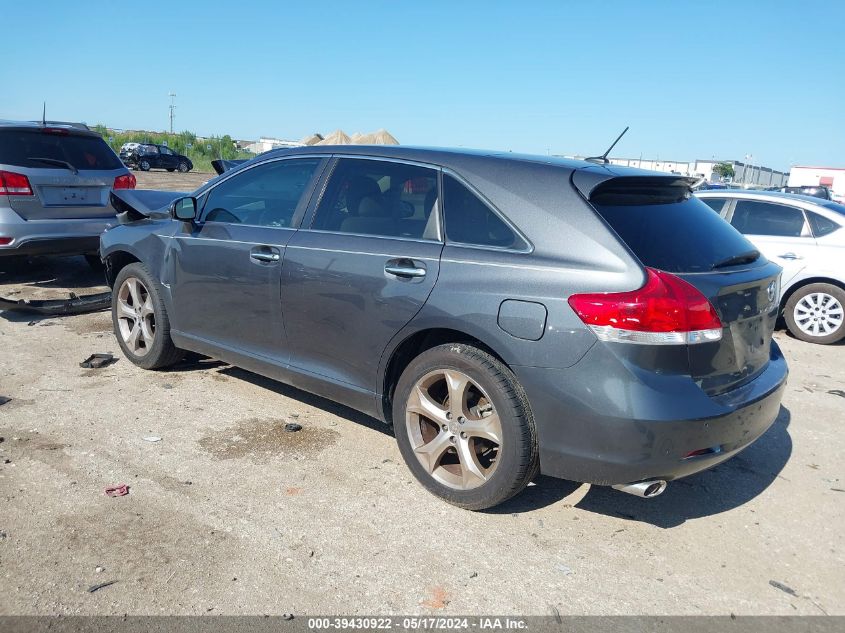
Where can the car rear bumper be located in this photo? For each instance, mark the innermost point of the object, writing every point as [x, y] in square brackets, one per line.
[673, 429]
[50, 237]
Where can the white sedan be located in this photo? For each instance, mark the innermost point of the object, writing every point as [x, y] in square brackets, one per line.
[805, 236]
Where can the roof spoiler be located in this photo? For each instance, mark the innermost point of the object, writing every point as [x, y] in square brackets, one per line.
[220, 165]
[600, 179]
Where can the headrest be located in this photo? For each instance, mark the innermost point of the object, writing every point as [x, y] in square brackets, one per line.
[360, 187]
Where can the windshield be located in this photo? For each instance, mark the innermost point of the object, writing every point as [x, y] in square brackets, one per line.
[21, 147]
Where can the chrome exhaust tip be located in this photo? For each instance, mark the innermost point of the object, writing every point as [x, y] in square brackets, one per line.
[645, 489]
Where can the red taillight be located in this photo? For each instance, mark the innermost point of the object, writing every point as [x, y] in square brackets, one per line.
[5, 241]
[13, 184]
[126, 181]
[60, 131]
[666, 311]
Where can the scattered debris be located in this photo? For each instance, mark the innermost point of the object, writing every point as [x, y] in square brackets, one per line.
[292, 427]
[99, 570]
[120, 490]
[3, 535]
[4, 400]
[837, 490]
[784, 588]
[567, 571]
[287, 616]
[555, 613]
[439, 599]
[188, 482]
[474, 574]
[96, 361]
[152, 438]
[99, 586]
[74, 304]
[294, 415]
[837, 392]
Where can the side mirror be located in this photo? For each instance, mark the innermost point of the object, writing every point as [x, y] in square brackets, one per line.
[184, 209]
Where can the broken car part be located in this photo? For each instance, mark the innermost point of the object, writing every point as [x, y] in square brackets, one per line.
[96, 361]
[57, 307]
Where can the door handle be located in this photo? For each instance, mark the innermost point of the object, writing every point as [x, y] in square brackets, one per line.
[790, 256]
[265, 255]
[404, 268]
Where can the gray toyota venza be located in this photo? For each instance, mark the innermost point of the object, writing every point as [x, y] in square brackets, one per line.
[507, 315]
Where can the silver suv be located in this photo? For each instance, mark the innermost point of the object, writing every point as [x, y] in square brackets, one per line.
[55, 181]
[805, 236]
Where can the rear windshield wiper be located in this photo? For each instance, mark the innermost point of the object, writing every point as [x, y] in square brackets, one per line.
[735, 260]
[56, 161]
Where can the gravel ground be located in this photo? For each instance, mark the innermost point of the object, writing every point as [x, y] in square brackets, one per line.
[229, 514]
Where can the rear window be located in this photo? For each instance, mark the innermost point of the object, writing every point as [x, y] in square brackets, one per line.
[668, 231]
[20, 147]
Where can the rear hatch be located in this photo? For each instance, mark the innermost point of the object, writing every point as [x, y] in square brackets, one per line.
[70, 172]
[670, 231]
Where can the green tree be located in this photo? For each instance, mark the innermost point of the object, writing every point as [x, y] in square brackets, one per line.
[724, 170]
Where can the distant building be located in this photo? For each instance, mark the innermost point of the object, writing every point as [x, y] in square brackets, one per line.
[744, 174]
[831, 177]
[266, 143]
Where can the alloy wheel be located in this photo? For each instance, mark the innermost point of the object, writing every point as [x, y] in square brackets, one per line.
[454, 429]
[818, 314]
[136, 316]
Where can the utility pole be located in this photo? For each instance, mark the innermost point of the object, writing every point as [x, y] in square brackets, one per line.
[172, 96]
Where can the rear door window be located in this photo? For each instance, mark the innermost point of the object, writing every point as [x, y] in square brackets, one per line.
[20, 147]
[383, 198]
[751, 217]
[672, 233]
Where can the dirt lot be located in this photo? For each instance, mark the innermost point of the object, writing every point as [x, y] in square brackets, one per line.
[230, 514]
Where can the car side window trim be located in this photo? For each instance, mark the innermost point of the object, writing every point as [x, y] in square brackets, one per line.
[321, 188]
[529, 246]
[301, 206]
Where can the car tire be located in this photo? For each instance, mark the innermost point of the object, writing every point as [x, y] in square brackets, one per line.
[816, 313]
[171, 169]
[454, 453]
[184, 168]
[140, 320]
[94, 262]
[144, 165]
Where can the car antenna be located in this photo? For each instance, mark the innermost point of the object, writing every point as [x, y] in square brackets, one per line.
[44, 114]
[603, 158]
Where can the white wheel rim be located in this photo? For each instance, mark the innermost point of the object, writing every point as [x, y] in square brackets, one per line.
[818, 314]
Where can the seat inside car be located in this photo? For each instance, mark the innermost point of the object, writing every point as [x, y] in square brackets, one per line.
[366, 210]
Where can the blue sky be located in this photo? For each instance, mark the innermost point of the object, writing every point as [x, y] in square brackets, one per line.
[692, 79]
